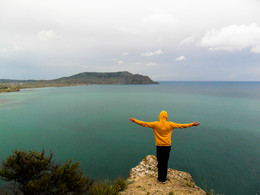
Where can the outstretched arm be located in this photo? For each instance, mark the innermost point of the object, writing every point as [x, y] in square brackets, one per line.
[132, 119]
[181, 126]
[195, 123]
[142, 123]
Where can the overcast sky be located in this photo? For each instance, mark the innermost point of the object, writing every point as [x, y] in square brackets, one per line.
[191, 40]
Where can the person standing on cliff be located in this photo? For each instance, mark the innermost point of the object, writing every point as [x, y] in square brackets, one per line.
[162, 130]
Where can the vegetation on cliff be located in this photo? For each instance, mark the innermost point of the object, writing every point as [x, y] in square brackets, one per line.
[34, 173]
[37, 173]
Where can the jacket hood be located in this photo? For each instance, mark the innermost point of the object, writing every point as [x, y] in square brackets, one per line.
[163, 116]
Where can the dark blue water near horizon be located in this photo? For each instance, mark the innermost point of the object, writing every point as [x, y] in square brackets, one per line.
[90, 124]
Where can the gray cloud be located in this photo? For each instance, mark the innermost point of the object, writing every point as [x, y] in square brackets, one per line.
[120, 62]
[181, 58]
[152, 53]
[52, 38]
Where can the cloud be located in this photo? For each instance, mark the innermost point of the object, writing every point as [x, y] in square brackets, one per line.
[256, 49]
[148, 54]
[157, 21]
[12, 48]
[120, 62]
[188, 40]
[89, 37]
[151, 64]
[160, 18]
[181, 58]
[232, 38]
[47, 34]
[17, 47]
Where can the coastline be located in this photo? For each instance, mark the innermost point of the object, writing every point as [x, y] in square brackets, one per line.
[10, 90]
[84, 78]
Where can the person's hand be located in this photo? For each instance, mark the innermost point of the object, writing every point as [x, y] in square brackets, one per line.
[132, 119]
[195, 123]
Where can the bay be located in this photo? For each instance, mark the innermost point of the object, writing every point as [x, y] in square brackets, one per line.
[91, 124]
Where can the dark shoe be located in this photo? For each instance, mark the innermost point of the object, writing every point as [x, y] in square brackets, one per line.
[163, 182]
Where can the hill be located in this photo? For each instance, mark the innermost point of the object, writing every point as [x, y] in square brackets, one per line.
[85, 78]
[105, 78]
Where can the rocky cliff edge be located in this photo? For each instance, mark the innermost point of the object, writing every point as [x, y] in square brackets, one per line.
[142, 179]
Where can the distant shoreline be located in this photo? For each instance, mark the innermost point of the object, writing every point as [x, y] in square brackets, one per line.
[10, 90]
[84, 78]
[17, 87]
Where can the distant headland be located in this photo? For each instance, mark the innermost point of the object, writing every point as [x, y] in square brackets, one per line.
[85, 78]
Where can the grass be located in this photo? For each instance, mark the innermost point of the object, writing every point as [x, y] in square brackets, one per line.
[98, 187]
[211, 192]
[108, 187]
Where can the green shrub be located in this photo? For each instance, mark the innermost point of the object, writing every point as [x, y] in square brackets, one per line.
[120, 184]
[35, 173]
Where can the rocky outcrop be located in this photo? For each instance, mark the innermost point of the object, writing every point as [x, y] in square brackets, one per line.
[142, 179]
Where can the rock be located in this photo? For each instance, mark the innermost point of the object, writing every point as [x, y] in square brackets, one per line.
[143, 179]
[128, 181]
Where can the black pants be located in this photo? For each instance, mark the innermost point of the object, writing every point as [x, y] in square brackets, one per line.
[163, 154]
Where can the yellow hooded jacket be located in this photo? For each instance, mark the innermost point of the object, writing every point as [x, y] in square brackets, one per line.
[162, 129]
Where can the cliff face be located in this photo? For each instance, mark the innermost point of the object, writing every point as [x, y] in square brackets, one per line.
[142, 179]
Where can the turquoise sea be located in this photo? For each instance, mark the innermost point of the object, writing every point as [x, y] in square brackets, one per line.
[91, 124]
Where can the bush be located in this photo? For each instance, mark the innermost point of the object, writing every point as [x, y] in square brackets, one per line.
[120, 184]
[34, 173]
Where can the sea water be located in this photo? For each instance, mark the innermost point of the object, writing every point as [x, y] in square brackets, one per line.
[91, 124]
